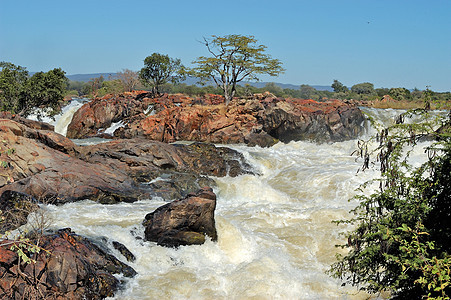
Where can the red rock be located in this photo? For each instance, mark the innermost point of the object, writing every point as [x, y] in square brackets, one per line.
[100, 113]
[260, 120]
[70, 267]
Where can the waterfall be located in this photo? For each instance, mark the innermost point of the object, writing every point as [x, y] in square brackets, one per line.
[276, 239]
[62, 120]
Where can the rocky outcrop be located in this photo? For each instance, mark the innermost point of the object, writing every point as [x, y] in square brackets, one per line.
[261, 120]
[96, 116]
[28, 123]
[49, 166]
[70, 267]
[310, 120]
[250, 121]
[183, 222]
[169, 171]
[38, 170]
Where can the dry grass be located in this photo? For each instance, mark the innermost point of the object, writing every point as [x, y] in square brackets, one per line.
[408, 104]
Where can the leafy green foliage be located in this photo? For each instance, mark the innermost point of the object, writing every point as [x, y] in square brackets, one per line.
[234, 58]
[20, 93]
[363, 88]
[339, 87]
[13, 81]
[402, 237]
[159, 69]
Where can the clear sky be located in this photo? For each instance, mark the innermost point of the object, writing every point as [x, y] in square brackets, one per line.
[390, 43]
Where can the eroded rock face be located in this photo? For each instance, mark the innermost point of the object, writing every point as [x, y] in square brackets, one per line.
[38, 170]
[183, 222]
[258, 121]
[96, 116]
[48, 166]
[71, 268]
[169, 171]
[250, 121]
[296, 119]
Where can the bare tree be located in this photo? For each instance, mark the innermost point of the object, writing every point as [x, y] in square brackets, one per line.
[129, 79]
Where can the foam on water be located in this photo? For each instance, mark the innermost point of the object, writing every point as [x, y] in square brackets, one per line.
[275, 236]
[63, 119]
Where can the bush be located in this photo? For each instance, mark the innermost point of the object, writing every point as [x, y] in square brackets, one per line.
[402, 236]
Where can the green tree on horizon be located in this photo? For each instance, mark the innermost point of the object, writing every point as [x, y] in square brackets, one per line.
[159, 69]
[234, 58]
[338, 87]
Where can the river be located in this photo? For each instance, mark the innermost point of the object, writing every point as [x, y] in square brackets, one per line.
[276, 239]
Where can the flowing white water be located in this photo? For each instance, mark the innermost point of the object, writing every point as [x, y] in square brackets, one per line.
[62, 120]
[276, 239]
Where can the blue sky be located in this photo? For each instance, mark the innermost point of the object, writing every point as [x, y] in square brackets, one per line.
[390, 43]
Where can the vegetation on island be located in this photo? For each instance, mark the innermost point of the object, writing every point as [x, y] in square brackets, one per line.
[233, 58]
[401, 239]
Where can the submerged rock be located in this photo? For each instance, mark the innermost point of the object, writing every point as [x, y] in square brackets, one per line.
[183, 222]
[124, 251]
[71, 267]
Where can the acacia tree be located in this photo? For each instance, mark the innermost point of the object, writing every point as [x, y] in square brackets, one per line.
[159, 69]
[233, 59]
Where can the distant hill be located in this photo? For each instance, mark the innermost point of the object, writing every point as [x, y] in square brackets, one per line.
[193, 81]
[87, 77]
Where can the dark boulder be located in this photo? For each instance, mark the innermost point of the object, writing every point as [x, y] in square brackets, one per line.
[70, 267]
[124, 251]
[183, 222]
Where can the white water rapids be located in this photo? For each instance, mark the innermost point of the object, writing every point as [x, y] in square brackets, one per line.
[276, 239]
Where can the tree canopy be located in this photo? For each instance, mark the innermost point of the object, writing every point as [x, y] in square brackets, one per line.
[234, 58]
[339, 87]
[20, 93]
[363, 88]
[159, 69]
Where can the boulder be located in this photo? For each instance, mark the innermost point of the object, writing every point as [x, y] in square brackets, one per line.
[70, 267]
[183, 222]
